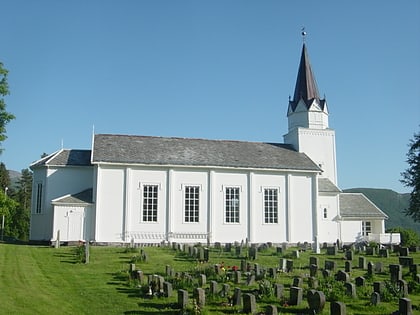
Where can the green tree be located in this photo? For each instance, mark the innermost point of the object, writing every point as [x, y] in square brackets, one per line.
[411, 177]
[7, 210]
[408, 237]
[5, 117]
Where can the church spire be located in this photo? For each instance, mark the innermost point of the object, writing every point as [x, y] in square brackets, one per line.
[306, 87]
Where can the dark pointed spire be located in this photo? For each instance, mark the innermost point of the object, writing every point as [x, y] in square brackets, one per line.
[306, 87]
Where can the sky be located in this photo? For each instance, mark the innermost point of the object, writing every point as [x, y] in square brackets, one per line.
[212, 70]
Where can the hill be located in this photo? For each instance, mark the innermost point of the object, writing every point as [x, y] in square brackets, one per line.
[393, 204]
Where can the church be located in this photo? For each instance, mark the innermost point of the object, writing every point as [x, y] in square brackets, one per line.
[145, 189]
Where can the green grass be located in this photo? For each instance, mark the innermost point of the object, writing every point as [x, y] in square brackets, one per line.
[45, 280]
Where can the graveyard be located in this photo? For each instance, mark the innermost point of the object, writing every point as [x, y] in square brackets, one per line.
[233, 278]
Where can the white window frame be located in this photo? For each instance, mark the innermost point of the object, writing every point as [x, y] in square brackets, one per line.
[234, 215]
[187, 212]
[273, 209]
[366, 228]
[149, 217]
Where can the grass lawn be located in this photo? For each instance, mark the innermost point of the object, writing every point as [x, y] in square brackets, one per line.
[46, 280]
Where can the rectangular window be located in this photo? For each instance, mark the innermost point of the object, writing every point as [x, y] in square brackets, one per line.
[271, 205]
[232, 205]
[38, 208]
[150, 203]
[366, 228]
[192, 201]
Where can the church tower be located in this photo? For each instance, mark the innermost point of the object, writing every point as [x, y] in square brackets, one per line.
[307, 115]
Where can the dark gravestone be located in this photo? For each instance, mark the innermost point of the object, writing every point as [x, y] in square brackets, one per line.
[225, 290]
[347, 266]
[271, 310]
[379, 267]
[404, 251]
[237, 277]
[278, 290]
[395, 273]
[383, 252]
[206, 254]
[202, 280]
[296, 254]
[316, 301]
[342, 276]
[349, 255]
[337, 308]
[332, 250]
[370, 268]
[243, 265]
[313, 260]
[182, 299]
[370, 251]
[217, 245]
[326, 273]
[249, 303]
[289, 265]
[405, 307]
[414, 269]
[252, 253]
[238, 251]
[272, 273]
[279, 250]
[297, 282]
[350, 290]
[237, 295]
[250, 278]
[295, 296]
[375, 298]
[362, 263]
[406, 261]
[360, 281]
[378, 287]
[313, 270]
[200, 296]
[228, 247]
[330, 265]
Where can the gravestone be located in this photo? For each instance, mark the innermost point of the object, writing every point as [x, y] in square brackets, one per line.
[237, 295]
[237, 277]
[384, 252]
[257, 271]
[201, 256]
[403, 287]
[168, 270]
[295, 296]
[284, 247]
[278, 290]
[360, 281]
[330, 265]
[202, 280]
[347, 266]
[238, 251]
[250, 305]
[349, 255]
[313, 283]
[337, 308]
[295, 254]
[405, 307]
[289, 265]
[250, 279]
[272, 272]
[271, 310]
[326, 273]
[316, 301]
[217, 245]
[182, 299]
[313, 260]
[283, 264]
[279, 250]
[406, 261]
[379, 267]
[362, 263]
[350, 289]
[243, 265]
[332, 250]
[252, 253]
[395, 273]
[375, 298]
[217, 269]
[370, 268]
[414, 269]
[370, 251]
[206, 254]
[228, 247]
[342, 276]
[167, 289]
[378, 287]
[297, 282]
[404, 251]
[140, 276]
[213, 287]
[200, 296]
[313, 270]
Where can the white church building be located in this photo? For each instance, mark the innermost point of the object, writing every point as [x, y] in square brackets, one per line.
[152, 189]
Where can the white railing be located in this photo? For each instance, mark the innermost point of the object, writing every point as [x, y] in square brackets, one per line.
[384, 238]
[159, 236]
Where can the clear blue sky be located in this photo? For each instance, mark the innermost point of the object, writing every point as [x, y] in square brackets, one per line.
[214, 70]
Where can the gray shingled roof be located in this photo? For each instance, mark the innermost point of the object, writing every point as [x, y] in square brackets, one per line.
[147, 150]
[65, 157]
[79, 198]
[325, 185]
[358, 206]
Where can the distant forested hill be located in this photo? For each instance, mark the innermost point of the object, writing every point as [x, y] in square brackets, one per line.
[393, 204]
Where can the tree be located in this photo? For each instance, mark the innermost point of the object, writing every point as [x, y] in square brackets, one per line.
[411, 177]
[4, 177]
[5, 117]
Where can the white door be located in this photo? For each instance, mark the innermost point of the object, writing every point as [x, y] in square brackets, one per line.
[75, 224]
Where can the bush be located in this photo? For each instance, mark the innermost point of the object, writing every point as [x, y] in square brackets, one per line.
[409, 237]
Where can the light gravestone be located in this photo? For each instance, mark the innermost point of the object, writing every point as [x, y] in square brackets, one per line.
[249, 303]
[200, 296]
[278, 290]
[182, 299]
